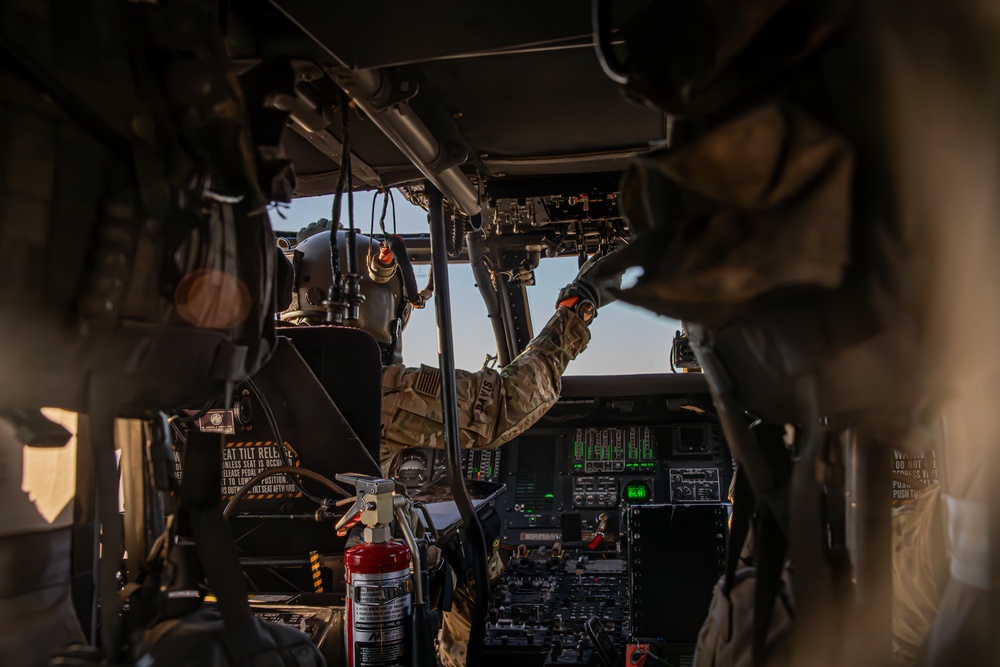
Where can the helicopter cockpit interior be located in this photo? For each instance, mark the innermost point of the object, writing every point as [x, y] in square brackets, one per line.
[196, 475]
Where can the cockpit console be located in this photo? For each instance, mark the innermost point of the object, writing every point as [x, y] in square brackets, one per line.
[613, 521]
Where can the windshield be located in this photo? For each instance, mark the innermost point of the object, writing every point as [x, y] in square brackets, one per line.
[410, 219]
[472, 334]
[625, 340]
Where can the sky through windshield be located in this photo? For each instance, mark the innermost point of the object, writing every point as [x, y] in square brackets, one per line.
[625, 339]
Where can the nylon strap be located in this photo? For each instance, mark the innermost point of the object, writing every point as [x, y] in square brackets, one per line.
[201, 490]
[771, 546]
[102, 442]
[744, 505]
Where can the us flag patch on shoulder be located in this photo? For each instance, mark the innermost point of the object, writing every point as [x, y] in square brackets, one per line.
[428, 381]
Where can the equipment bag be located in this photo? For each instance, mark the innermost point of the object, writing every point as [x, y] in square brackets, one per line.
[133, 233]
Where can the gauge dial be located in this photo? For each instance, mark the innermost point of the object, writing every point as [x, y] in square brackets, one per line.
[413, 468]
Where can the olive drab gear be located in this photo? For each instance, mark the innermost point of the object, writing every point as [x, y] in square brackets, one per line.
[759, 204]
[798, 242]
[784, 229]
[133, 231]
[919, 570]
[138, 276]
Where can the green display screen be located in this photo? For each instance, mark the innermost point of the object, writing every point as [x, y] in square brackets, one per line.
[637, 491]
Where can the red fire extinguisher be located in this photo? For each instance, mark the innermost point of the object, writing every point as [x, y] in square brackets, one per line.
[376, 616]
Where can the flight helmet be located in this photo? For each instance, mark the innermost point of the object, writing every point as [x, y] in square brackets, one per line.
[384, 311]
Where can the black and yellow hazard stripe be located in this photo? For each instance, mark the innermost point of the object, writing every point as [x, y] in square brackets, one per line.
[316, 574]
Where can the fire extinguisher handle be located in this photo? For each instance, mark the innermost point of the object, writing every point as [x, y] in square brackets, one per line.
[365, 484]
[374, 500]
[359, 504]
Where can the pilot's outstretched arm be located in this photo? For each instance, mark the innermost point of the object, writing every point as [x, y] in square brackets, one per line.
[493, 406]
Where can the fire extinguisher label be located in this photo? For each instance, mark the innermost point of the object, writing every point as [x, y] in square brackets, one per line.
[380, 605]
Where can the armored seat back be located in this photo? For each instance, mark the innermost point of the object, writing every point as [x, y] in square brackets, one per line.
[325, 405]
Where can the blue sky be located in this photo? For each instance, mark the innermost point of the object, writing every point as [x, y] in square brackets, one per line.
[625, 339]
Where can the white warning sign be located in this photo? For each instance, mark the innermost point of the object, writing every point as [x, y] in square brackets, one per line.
[911, 474]
[242, 460]
[378, 609]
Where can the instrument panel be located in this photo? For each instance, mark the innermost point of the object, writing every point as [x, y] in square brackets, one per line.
[649, 441]
[419, 466]
[616, 519]
[562, 480]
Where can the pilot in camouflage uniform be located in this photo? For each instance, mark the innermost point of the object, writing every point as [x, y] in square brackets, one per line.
[494, 406]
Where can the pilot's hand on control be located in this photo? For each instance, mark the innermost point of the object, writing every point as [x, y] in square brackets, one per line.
[596, 282]
[313, 228]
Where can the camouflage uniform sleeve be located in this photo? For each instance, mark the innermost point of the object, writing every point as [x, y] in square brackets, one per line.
[493, 406]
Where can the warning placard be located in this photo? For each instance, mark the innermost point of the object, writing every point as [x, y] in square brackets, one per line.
[912, 473]
[377, 620]
[242, 460]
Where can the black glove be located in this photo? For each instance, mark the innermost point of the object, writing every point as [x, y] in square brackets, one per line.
[312, 229]
[594, 282]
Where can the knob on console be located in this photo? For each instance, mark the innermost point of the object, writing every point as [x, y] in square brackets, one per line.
[557, 649]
